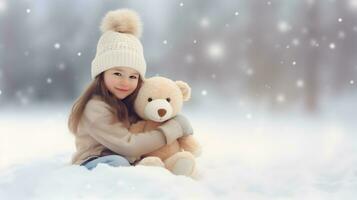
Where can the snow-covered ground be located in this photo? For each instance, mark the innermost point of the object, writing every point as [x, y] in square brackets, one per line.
[245, 156]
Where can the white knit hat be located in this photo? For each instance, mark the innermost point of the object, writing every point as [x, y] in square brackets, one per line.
[119, 45]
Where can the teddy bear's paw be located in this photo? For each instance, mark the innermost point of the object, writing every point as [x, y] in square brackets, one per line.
[152, 161]
[182, 163]
[197, 152]
[183, 166]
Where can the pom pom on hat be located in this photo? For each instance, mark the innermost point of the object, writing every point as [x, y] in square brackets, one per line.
[123, 21]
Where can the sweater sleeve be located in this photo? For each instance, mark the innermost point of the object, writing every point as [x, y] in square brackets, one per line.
[116, 137]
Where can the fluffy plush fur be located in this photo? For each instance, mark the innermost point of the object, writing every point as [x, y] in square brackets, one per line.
[123, 21]
[160, 99]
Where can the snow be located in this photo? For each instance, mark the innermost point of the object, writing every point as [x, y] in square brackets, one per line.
[57, 45]
[283, 26]
[3, 6]
[280, 156]
[215, 50]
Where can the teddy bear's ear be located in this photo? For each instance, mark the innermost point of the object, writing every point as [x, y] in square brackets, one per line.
[185, 89]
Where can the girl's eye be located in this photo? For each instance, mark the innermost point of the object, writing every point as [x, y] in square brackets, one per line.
[117, 74]
[133, 77]
[168, 99]
[149, 99]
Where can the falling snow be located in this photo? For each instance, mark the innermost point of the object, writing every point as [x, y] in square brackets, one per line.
[295, 42]
[28, 11]
[3, 5]
[57, 45]
[250, 71]
[353, 4]
[204, 92]
[314, 43]
[204, 23]
[300, 83]
[341, 35]
[61, 66]
[49, 80]
[332, 46]
[164, 42]
[79, 54]
[189, 58]
[215, 50]
[283, 26]
[280, 98]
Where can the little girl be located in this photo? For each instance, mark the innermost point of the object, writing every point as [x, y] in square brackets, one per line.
[101, 116]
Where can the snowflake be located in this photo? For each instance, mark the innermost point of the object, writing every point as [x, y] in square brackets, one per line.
[249, 71]
[295, 42]
[57, 45]
[3, 5]
[61, 66]
[269, 3]
[189, 58]
[204, 92]
[181, 4]
[339, 19]
[164, 42]
[248, 116]
[341, 35]
[194, 41]
[204, 22]
[236, 13]
[353, 4]
[280, 98]
[215, 50]
[294, 62]
[0, 92]
[314, 43]
[79, 54]
[283, 26]
[49, 80]
[332, 46]
[28, 11]
[300, 83]
[213, 76]
[352, 82]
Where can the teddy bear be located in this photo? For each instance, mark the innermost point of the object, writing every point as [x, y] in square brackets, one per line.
[160, 99]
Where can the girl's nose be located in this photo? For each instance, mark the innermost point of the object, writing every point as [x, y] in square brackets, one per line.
[124, 82]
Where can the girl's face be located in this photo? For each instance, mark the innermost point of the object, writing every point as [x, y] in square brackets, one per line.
[121, 81]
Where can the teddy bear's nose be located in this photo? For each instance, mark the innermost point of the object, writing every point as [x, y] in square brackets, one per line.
[161, 112]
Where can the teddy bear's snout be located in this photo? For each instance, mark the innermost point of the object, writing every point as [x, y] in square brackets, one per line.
[161, 112]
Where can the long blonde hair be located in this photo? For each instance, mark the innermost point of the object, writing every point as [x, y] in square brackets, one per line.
[122, 108]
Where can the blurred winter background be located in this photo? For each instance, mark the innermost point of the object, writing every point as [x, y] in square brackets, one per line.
[274, 97]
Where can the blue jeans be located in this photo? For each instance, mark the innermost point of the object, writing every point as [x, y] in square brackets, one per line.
[112, 160]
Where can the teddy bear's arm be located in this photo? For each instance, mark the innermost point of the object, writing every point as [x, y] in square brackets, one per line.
[189, 143]
[137, 127]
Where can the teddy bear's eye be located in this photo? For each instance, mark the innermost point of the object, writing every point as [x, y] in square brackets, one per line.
[168, 99]
[149, 99]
